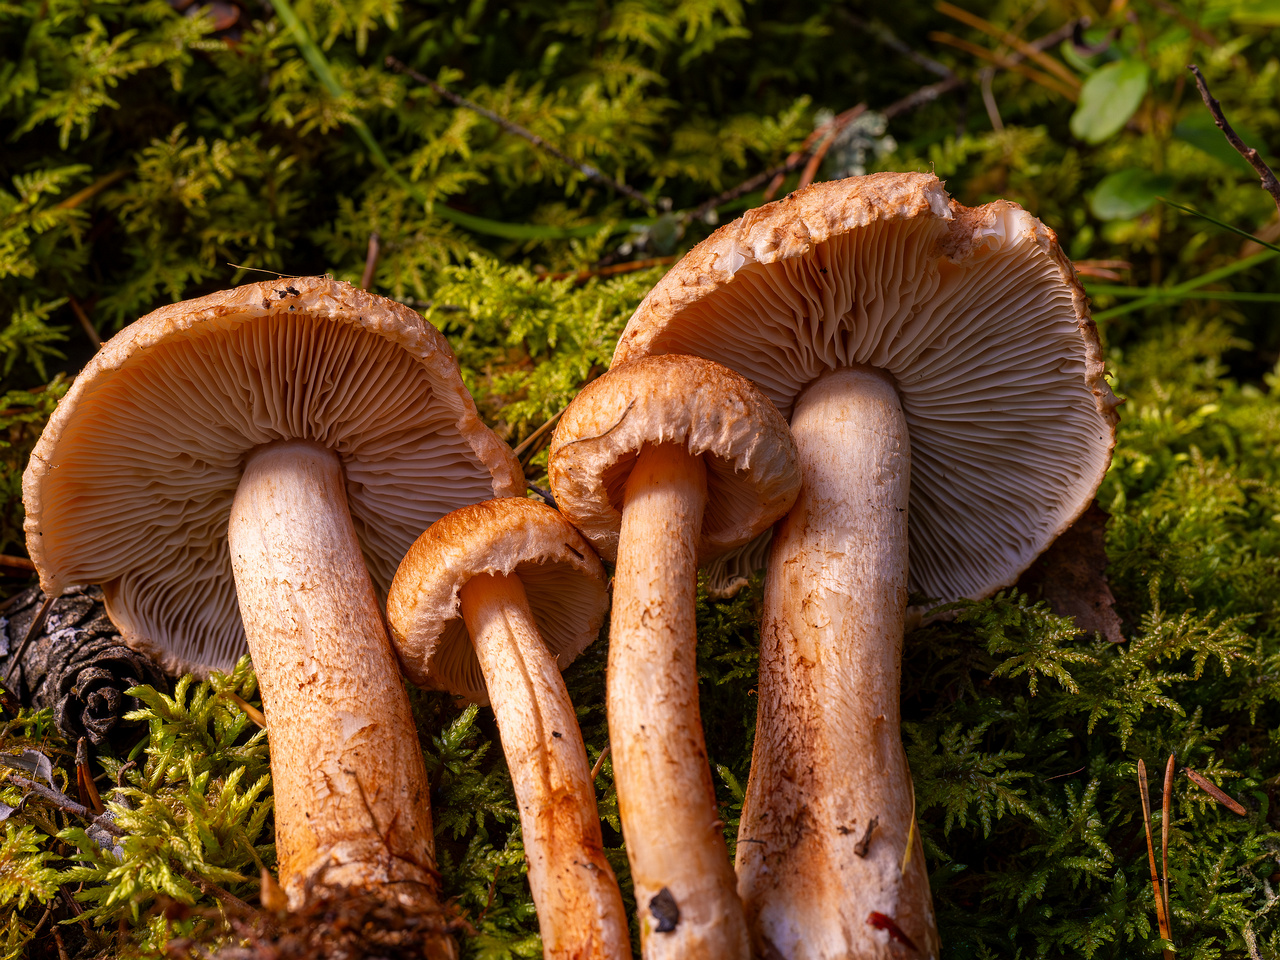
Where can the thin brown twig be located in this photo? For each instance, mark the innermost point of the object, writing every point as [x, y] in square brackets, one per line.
[890, 40]
[36, 626]
[1267, 175]
[83, 317]
[588, 171]
[528, 442]
[1007, 62]
[1057, 68]
[63, 802]
[371, 261]
[1165, 805]
[822, 137]
[599, 764]
[612, 270]
[19, 565]
[1161, 920]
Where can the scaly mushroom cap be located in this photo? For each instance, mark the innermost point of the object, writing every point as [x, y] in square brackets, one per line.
[131, 483]
[976, 313]
[562, 576]
[752, 477]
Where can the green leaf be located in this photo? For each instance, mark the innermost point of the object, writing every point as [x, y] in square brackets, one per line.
[1201, 132]
[1127, 193]
[1108, 99]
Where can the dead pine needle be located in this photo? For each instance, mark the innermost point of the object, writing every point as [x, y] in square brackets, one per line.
[1161, 919]
[599, 764]
[1166, 803]
[1213, 791]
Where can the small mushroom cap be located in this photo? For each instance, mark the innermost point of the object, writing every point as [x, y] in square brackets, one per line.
[132, 481]
[752, 474]
[562, 576]
[977, 315]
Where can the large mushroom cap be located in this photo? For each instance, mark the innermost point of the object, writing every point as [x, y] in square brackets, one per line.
[131, 483]
[752, 476]
[562, 576]
[976, 313]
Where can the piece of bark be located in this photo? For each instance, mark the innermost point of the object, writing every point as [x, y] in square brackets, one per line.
[1072, 576]
[75, 663]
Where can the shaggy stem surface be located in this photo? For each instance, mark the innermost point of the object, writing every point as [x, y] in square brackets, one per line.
[685, 887]
[818, 880]
[351, 801]
[580, 912]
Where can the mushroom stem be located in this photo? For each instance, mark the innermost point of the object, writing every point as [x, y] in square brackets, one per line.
[819, 882]
[685, 888]
[580, 910]
[351, 801]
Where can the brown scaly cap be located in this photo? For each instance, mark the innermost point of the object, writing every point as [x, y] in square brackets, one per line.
[562, 576]
[976, 313]
[752, 476]
[131, 483]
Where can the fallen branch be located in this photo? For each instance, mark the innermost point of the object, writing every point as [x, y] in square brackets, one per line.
[590, 172]
[1267, 175]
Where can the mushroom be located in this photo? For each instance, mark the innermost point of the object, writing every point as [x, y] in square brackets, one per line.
[663, 464]
[491, 603]
[266, 443]
[934, 361]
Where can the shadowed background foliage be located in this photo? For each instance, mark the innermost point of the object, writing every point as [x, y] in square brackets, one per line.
[148, 147]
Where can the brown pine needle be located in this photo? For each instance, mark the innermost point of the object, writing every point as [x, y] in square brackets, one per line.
[1214, 792]
[1007, 63]
[599, 764]
[1056, 67]
[1166, 803]
[1161, 920]
[250, 710]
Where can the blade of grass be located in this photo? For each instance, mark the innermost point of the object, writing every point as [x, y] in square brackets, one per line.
[1178, 290]
[1159, 294]
[1214, 220]
[511, 231]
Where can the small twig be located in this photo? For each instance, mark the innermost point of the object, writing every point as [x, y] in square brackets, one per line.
[546, 495]
[92, 190]
[131, 765]
[527, 444]
[1214, 792]
[492, 888]
[890, 40]
[1058, 776]
[83, 317]
[599, 764]
[1007, 62]
[631, 266]
[274, 273]
[1057, 68]
[63, 802]
[1165, 804]
[1267, 175]
[822, 138]
[1161, 920]
[19, 565]
[210, 889]
[371, 261]
[32, 632]
[590, 172]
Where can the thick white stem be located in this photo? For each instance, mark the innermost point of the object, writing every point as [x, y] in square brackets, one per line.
[828, 759]
[351, 801]
[685, 888]
[580, 910]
